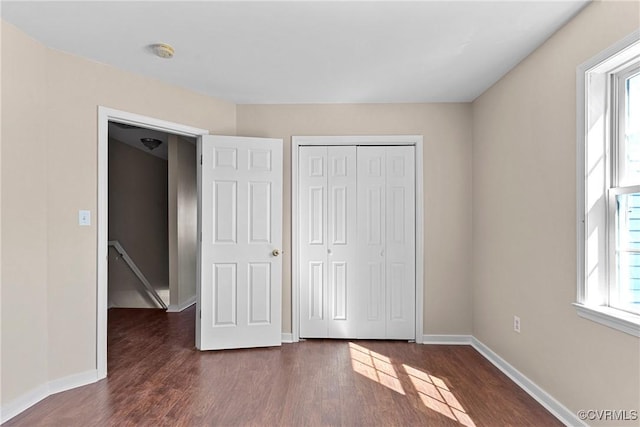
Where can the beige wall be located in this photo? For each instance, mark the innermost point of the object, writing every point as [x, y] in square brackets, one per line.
[24, 217]
[183, 217]
[138, 219]
[447, 188]
[524, 223]
[49, 171]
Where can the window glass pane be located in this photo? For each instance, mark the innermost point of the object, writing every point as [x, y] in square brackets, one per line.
[625, 292]
[632, 131]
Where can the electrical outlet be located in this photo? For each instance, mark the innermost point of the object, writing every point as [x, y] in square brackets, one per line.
[516, 324]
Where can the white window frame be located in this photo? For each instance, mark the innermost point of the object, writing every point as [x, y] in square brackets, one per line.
[598, 127]
[619, 89]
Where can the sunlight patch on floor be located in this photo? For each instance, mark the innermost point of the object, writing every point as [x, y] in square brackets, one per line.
[374, 366]
[436, 396]
[433, 391]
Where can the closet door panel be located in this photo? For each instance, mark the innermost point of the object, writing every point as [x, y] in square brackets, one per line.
[357, 242]
[313, 267]
[342, 242]
[371, 198]
[400, 242]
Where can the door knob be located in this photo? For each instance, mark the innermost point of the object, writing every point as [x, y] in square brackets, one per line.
[276, 252]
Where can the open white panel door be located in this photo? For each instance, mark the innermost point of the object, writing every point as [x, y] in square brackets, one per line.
[240, 219]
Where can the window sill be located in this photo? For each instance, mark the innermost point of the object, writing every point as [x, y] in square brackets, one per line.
[616, 319]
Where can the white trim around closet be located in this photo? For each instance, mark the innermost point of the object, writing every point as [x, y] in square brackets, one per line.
[416, 141]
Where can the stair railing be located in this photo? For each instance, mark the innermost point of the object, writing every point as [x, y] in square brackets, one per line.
[132, 265]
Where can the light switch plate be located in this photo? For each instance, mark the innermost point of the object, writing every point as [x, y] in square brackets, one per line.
[84, 217]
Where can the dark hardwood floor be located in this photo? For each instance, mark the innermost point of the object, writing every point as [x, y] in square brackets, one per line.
[156, 377]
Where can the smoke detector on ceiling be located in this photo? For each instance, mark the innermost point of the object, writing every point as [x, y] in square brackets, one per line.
[163, 50]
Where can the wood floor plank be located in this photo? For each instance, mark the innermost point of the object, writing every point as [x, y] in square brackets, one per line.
[157, 378]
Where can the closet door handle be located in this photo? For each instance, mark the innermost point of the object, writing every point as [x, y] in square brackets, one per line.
[381, 252]
[276, 252]
[329, 252]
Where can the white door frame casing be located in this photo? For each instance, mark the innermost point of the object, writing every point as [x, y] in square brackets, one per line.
[106, 115]
[417, 142]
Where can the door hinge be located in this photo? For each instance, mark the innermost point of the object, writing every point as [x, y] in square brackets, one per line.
[200, 313]
[200, 158]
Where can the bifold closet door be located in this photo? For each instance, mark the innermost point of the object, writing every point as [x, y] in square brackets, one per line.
[328, 247]
[386, 239]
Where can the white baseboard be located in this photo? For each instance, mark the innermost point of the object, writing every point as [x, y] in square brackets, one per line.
[447, 339]
[73, 381]
[24, 402]
[560, 411]
[175, 308]
[287, 338]
[30, 398]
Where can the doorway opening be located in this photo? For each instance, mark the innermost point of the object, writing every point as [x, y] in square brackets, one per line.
[152, 219]
[179, 139]
[138, 222]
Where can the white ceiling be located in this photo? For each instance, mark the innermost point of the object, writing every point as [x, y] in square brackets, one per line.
[305, 52]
